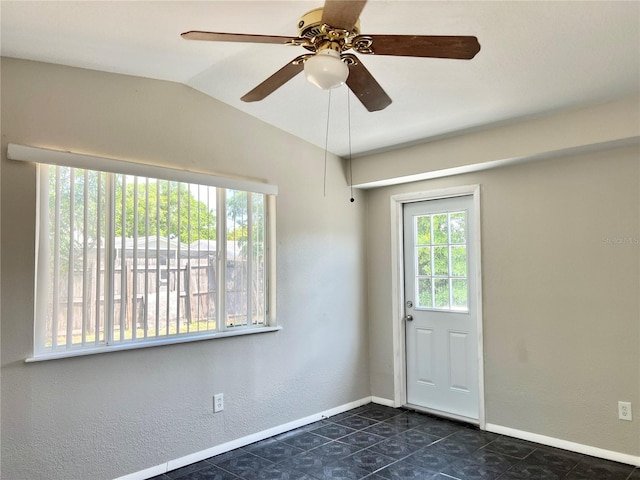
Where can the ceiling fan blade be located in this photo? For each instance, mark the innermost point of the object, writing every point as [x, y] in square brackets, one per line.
[342, 13]
[276, 80]
[458, 47]
[364, 86]
[240, 37]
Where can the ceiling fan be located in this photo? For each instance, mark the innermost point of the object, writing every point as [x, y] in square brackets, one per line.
[328, 33]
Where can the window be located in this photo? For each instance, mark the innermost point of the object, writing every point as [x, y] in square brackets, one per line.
[441, 256]
[126, 261]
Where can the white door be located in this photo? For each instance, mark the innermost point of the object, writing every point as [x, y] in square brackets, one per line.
[440, 307]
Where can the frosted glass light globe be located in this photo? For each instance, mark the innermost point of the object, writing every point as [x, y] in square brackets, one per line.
[325, 69]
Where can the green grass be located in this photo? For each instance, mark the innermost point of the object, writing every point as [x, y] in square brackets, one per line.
[163, 331]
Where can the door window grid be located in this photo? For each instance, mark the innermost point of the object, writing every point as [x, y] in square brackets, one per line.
[441, 278]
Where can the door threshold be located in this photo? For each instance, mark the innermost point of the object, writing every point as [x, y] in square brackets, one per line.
[443, 414]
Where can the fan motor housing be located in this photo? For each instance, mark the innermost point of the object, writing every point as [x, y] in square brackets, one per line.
[309, 25]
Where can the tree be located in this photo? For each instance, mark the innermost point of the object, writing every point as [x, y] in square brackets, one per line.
[78, 211]
[164, 208]
[75, 194]
[238, 221]
[245, 219]
[442, 260]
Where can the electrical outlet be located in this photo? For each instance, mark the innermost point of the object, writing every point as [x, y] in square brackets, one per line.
[624, 411]
[218, 402]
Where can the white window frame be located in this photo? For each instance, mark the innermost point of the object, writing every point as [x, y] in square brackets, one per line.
[75, 160]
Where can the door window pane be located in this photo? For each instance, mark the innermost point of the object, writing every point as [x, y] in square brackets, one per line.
[423, 230]
[442, 261]
[424, 261]
[425, 293]
[440, 229]
[459, 261]
[460, 294]
[458, 227]
[441, 293]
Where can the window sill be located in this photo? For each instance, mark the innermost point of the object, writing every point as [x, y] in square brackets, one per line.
[149, 343]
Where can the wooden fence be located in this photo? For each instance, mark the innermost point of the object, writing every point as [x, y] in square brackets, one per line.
[185, 289]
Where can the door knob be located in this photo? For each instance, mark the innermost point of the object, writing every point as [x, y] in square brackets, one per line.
[409, 318]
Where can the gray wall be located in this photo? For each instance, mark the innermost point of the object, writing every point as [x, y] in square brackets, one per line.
[108, 415]
[561, 304]
[561, 309]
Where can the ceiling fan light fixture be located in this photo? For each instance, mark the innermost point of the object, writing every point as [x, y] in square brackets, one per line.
[326, 70]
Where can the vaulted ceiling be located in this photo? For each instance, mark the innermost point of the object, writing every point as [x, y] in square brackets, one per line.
[536, 58]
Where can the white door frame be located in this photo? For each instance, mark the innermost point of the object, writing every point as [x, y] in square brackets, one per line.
[397, 288]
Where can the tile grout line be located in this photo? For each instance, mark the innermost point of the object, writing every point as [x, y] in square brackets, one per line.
[378, 420]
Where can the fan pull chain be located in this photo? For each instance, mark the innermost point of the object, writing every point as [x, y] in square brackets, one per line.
[326, 144]
[349, 130]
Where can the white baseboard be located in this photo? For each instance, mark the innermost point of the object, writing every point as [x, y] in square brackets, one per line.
[565, 444]
[249, 439]
[383, 401]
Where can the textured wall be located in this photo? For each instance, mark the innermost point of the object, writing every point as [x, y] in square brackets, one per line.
[561, 309]
[108, 415]
[607, 123]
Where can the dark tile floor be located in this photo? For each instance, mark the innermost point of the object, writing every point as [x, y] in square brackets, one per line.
[377, 443]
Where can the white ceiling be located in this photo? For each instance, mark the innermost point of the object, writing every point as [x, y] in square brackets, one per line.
[537, 57]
